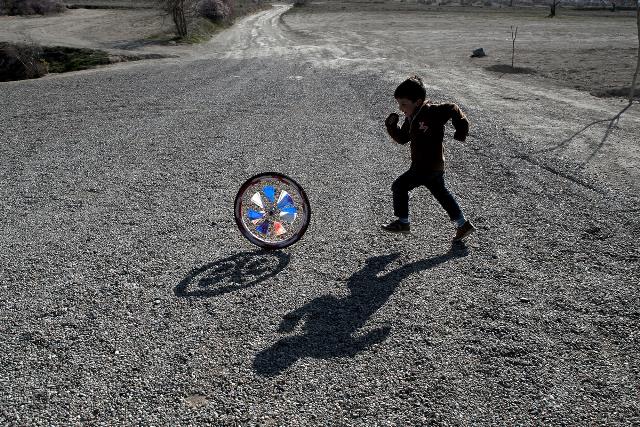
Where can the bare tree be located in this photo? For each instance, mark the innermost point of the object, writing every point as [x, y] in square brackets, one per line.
[553, 5]
[635, 75]
[514, 34]
[179, 11]
[186, 13]
[612, 2]
[613, 121]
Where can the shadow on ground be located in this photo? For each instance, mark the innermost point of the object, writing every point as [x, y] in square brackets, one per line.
[141, 43]
[236, 272]
[331, 325]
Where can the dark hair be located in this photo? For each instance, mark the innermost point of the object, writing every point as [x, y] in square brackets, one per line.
[412, 89]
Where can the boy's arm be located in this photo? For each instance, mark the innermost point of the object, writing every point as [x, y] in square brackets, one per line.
[459, 121]
[399, 135]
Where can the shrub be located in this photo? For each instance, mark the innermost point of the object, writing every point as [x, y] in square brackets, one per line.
[20, 62]
[63, 59]
[216, 10]
[30, 7]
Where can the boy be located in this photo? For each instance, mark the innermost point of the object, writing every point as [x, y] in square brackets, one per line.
[424, 127]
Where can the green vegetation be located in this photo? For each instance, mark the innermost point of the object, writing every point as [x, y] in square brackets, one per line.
[20, 61]
[202, 29]
[64, 59]
[197, 20]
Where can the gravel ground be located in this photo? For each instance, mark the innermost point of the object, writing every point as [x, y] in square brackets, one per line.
[129, 296]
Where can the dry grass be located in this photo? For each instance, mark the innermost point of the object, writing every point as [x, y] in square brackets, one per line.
[508, 69]
[21, 62]
[30, 7]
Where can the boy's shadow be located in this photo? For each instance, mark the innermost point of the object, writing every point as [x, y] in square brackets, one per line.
[331, 324]
[239, 271]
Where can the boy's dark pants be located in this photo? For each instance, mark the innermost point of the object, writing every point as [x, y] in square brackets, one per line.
[434, 181]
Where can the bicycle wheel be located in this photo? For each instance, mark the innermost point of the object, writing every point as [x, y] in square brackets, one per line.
[272, 210]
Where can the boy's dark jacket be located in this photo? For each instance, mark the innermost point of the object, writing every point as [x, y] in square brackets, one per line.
[425, 130]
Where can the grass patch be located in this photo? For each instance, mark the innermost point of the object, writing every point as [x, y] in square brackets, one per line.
[65, 59]
[508, 69]
[20, 62]
[622, 92]
[160, 37]
[202, 29]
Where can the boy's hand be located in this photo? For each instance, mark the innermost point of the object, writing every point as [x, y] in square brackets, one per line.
[392, 120]
[460, 136]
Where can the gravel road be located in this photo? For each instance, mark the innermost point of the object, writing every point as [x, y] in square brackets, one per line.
[129, 296]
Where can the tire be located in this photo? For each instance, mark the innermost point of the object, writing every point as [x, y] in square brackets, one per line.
[272, 211]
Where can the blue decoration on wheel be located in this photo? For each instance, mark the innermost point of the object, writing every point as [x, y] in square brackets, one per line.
[253, 215]
[270, 193]
[263, 227]
[285, 201]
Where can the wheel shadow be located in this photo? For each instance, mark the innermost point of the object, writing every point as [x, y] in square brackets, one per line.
[236, 272]
[332, 325]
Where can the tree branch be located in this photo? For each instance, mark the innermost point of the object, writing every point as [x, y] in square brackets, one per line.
[613, 121]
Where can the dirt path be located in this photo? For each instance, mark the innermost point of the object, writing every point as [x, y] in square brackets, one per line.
[85, 28]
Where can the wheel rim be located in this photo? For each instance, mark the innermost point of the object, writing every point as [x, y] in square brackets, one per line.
[272, 210]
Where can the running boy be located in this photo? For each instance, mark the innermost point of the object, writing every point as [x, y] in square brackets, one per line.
[424, 127]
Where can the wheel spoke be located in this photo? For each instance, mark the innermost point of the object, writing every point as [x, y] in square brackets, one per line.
[253, 215]
[269, 192]
[285, 200]
[288, 214]
[264, 227]
[257, 200]
[278, 229]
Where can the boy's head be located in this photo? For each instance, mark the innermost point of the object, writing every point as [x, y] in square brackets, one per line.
[410, 95]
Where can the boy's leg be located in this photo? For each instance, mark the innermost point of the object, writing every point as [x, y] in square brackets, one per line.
[435, 184]
[400, 188]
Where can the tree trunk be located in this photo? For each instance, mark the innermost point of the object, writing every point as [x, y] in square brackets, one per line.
[635, 75]
[176, 8]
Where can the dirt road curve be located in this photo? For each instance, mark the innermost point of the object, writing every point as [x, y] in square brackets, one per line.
[84, 28]
[129, 297]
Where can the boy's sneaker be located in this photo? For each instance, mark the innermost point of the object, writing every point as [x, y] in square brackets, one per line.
[397, 226]
[464, 231]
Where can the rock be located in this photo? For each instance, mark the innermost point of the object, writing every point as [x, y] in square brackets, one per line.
[478, 53]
